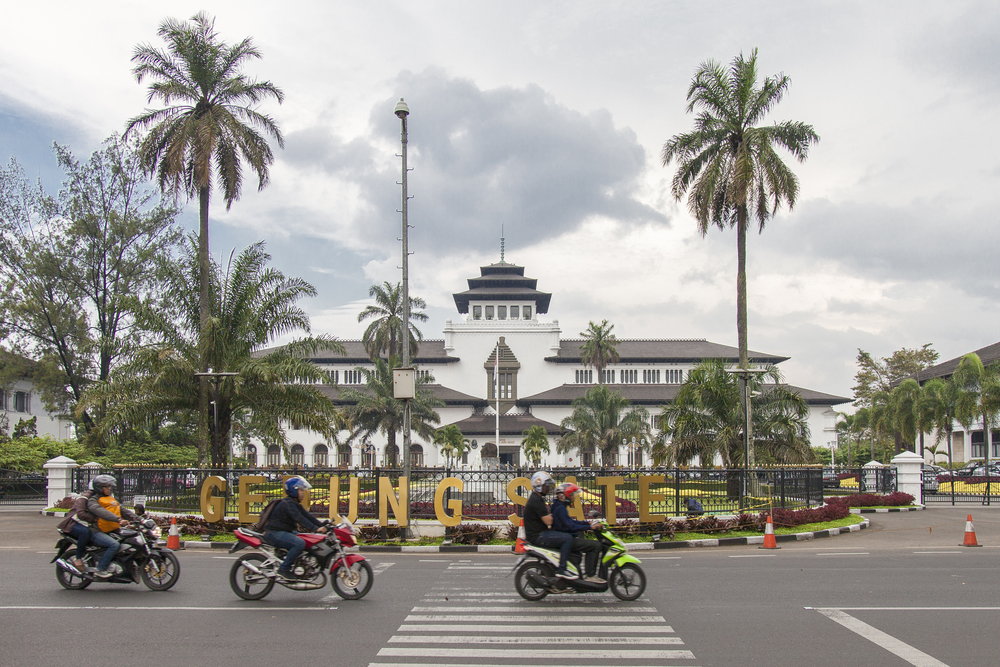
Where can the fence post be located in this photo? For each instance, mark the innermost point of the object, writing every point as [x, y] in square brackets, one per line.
[868, 480]
[909, 475]
[60, 478]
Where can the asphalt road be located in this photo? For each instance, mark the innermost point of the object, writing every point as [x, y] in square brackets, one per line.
[900, 593]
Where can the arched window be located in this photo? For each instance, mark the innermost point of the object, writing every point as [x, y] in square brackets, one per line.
[320, 456]
[489, 450]
[416, 455]
[274, 456]
[298, 455]
[250, 454]
[344, 456]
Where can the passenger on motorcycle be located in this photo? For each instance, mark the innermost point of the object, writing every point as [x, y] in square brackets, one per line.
[76, 524]
[108, 512]
[561, 521]
[538, 522]
[283, 521]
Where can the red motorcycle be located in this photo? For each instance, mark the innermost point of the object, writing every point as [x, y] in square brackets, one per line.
[253, 576]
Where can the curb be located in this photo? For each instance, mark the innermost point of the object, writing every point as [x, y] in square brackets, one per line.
[886, 510]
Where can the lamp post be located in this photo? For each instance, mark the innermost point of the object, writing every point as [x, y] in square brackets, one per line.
[744, 374]
[402, 111]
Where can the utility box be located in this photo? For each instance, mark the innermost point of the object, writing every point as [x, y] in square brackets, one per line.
[403, 383]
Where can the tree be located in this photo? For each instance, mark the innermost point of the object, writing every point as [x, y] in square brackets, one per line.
[274, 386]
[386, 330]
[75, 267]
[602, 419]
[941, 400]
[208, 129]
[728, 162]
[450, 442]
[881, 375]
[598, 349]
[535, 442]
[979, 397]
[374, 409]
[705, 421]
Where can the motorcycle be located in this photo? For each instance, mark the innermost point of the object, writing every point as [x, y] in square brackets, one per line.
[253, 576]
[138, 559]
[534, 572]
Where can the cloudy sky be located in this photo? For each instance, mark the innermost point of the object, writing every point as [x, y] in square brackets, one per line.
[548, 118]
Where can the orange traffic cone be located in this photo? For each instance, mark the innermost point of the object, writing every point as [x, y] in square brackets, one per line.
[769, 541]
[970, 534]
[173, 537]
[521, 537]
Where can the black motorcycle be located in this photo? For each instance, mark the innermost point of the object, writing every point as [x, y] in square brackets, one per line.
[138, 559]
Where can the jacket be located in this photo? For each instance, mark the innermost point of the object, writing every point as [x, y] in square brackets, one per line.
[78, 513]
[94, 507]
[288, 515]
[562, 522]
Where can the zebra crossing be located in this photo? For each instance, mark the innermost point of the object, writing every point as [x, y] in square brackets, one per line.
[474, 618]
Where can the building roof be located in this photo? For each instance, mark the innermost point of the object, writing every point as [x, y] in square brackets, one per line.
[445, 394]
[502, 282]
[652, 394]
[428, 352]
[510, 424]
[677, 350]
[987, 355]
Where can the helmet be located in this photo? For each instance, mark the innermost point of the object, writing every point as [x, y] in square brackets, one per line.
[102, 481]
[293, 484]
[567, 490]
[542, 482]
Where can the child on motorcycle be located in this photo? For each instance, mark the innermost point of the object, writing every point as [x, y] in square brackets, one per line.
[283, 521]
[561, 521]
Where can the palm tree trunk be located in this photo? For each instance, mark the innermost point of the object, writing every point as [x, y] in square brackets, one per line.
[741, 285]
[204, 315]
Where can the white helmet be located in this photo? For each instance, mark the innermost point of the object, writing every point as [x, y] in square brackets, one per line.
[542, 482]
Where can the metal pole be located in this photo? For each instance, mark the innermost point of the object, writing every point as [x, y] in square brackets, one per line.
[402, 111]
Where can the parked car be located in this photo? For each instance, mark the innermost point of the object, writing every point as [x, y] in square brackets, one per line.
[929, 480]
[830, 479]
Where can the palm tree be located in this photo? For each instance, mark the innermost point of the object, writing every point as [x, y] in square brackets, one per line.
[941, 400]
[535, 441]
[979, 398]
[208, 129]
[602, 419]
[905, 406]
[385, 332]
[728, 162]
[374, 409]
[450, 442]
[253, 305]
[706, 419]
[598, 349]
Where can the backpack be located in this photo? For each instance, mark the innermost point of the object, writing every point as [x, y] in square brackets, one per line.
[265, 515]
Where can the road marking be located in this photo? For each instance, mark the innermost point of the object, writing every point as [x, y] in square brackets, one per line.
[471, 664]
[379, 568]
[47, 552]
[503, 639]
[529, 608]
[505, 618]
[645, 558]
[478, 567]
[846, 553]
[67, 608]
[755, 556]
[593, 654]
[447, 627]
[519, 600]
[226, 557]
[879, 638]
[937, 552]
[433, 560]
[820, 609]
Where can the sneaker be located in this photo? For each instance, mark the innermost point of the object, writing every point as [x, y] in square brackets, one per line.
[286, 574]
[103, 574]
[594, 579]
[565, 574]
[79, 564]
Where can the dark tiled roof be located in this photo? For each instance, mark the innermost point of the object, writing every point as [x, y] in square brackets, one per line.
[502, 282]
[428, 352]
[449, 396]
[664, 351]
[987, 355]
[509, 424]
[653, 394]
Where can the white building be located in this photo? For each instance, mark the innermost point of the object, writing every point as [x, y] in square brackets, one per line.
[21, 401]
[540, 375]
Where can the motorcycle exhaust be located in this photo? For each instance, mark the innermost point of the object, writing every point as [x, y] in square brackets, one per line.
[68, 567]
[253, 568]
[538, 579]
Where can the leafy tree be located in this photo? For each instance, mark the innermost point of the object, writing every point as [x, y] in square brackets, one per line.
[253, 305]
[728, 163]
[881, 375]
[598, 349]
[208, 129]
[75, 266]
[25, 428]
[450, 442]
[385, 332]
[374, 409]
[29, 454]
[535, 441]
[602, 419]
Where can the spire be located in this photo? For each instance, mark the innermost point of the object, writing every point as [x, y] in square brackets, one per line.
[501, 243]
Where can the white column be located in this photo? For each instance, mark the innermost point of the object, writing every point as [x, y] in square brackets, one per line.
[60, 475]
[909, 477]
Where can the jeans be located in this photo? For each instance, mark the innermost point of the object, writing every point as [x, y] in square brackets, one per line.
[81, 534]
[591, 549]
[286, 540]
[111, 547]
[554, 539]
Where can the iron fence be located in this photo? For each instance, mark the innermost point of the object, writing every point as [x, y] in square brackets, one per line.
[22, 488]
[953, 488]
[852, 481]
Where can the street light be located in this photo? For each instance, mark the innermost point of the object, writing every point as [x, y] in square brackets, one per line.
[745, 374]
[402, 111]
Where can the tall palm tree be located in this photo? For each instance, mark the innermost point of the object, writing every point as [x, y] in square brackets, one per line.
[602, 419]
[905, 405]
[253, 306]
[941, 399]
[535, 442]
[979, 398]
[599, 347]
[728, 162]
[208, 128]
[450, 442]
[385, 332]
[374, 409]
[706, 419]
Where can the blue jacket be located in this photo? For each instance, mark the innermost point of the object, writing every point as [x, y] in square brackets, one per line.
[562, 522]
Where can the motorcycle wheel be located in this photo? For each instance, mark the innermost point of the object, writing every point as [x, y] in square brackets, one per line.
[71, 581]
[246, 583]
[627, 582]
[354, 582]
[528, 589]
[161, 571]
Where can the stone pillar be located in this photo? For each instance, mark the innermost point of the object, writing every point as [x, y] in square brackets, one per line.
[870, 477]
[909, 475]
[60, 474]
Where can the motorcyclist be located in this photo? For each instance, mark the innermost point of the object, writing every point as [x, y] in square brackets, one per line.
[283, 521]
[561, 521]
[538, 522]
[108, 512]
[76, 524]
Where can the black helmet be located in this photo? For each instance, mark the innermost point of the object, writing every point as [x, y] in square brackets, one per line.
[103, 480]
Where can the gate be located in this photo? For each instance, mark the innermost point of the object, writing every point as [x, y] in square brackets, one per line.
[22, 488]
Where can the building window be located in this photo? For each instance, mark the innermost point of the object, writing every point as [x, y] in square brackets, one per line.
[477, 312]
[344, 456]
[585, 377]
[608, 377]
[630, 376]
[527, 312]
[274, 456]
[489, 312]
[423, 375]
[334, 376]
[675, 376]
[513, 313]
[978, 445]
[995, 449]
[320, 456]
[501, 312]
[353, 377]
[506, 386]
[22, 401]
[298, 455]
[651, 376]
[3, 399]
[416, 456]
